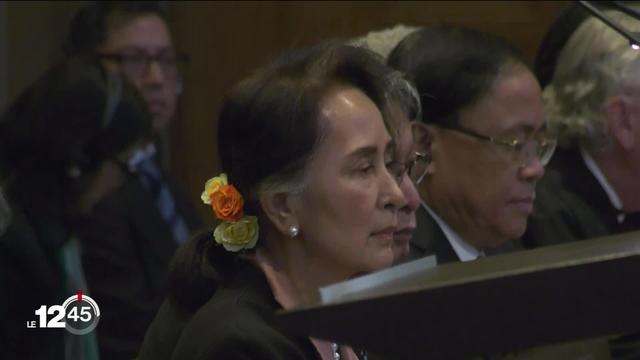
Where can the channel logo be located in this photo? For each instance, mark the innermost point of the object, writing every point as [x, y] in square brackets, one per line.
[79, 314]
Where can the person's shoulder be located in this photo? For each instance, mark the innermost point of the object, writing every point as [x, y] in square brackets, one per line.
[235, 325]
[130, 196]
[234, 307]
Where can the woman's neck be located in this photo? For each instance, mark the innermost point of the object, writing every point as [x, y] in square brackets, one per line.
[294, 277]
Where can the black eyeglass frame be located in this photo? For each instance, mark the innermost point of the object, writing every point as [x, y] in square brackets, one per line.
[178, 60]
[419, 157]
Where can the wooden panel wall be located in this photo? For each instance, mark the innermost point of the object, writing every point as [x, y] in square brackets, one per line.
[226, 40]
[32, 33]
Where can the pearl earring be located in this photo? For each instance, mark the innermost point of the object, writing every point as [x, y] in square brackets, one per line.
[293, 231]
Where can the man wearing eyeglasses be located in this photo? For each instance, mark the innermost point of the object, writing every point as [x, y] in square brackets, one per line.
[129, 237]
[133, 38]
[593, 104]
[481, 144]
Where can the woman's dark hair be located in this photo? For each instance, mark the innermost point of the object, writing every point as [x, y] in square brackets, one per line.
[269, 127]
[63, 126]
[451, 67]
[89, 27]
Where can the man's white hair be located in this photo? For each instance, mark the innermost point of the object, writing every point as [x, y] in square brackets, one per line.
[384, 41]
[597, 62]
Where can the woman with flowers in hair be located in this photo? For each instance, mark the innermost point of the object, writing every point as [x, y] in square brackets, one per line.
[309, 197]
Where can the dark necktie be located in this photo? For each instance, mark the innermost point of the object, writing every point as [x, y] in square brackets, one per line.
[152, 179]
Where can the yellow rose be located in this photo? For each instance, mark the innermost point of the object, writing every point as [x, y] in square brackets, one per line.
[237, 235]
[211, 186]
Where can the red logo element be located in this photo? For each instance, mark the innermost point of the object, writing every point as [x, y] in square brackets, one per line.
[80, 295]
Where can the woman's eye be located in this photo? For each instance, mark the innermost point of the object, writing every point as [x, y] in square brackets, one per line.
[367, 169]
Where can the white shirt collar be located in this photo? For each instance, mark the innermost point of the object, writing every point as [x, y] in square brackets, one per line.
[602, 179]
[464, 251]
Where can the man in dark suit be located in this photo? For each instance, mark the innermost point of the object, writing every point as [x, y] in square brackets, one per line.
[592, 104]
[481, 144]
[571, 204]
[130, 236]
[66, 131]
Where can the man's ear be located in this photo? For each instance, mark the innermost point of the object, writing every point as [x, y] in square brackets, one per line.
[278, 207]
[423, 141]
[619, 120]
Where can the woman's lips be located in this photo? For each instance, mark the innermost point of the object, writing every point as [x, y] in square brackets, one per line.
[524, 204]
[385, 234]
[403, 236]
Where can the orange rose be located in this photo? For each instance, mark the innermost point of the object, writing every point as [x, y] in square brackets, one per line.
[227, 203]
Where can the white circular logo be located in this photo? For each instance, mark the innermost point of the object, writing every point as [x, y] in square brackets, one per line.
[81, 314]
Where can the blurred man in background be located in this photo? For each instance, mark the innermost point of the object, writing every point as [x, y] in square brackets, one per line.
[130, 236]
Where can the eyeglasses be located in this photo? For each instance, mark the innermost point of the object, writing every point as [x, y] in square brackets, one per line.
[539, 145]
[136, 65]
[416, 169]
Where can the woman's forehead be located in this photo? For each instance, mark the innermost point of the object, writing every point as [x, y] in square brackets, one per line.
[353, 120]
